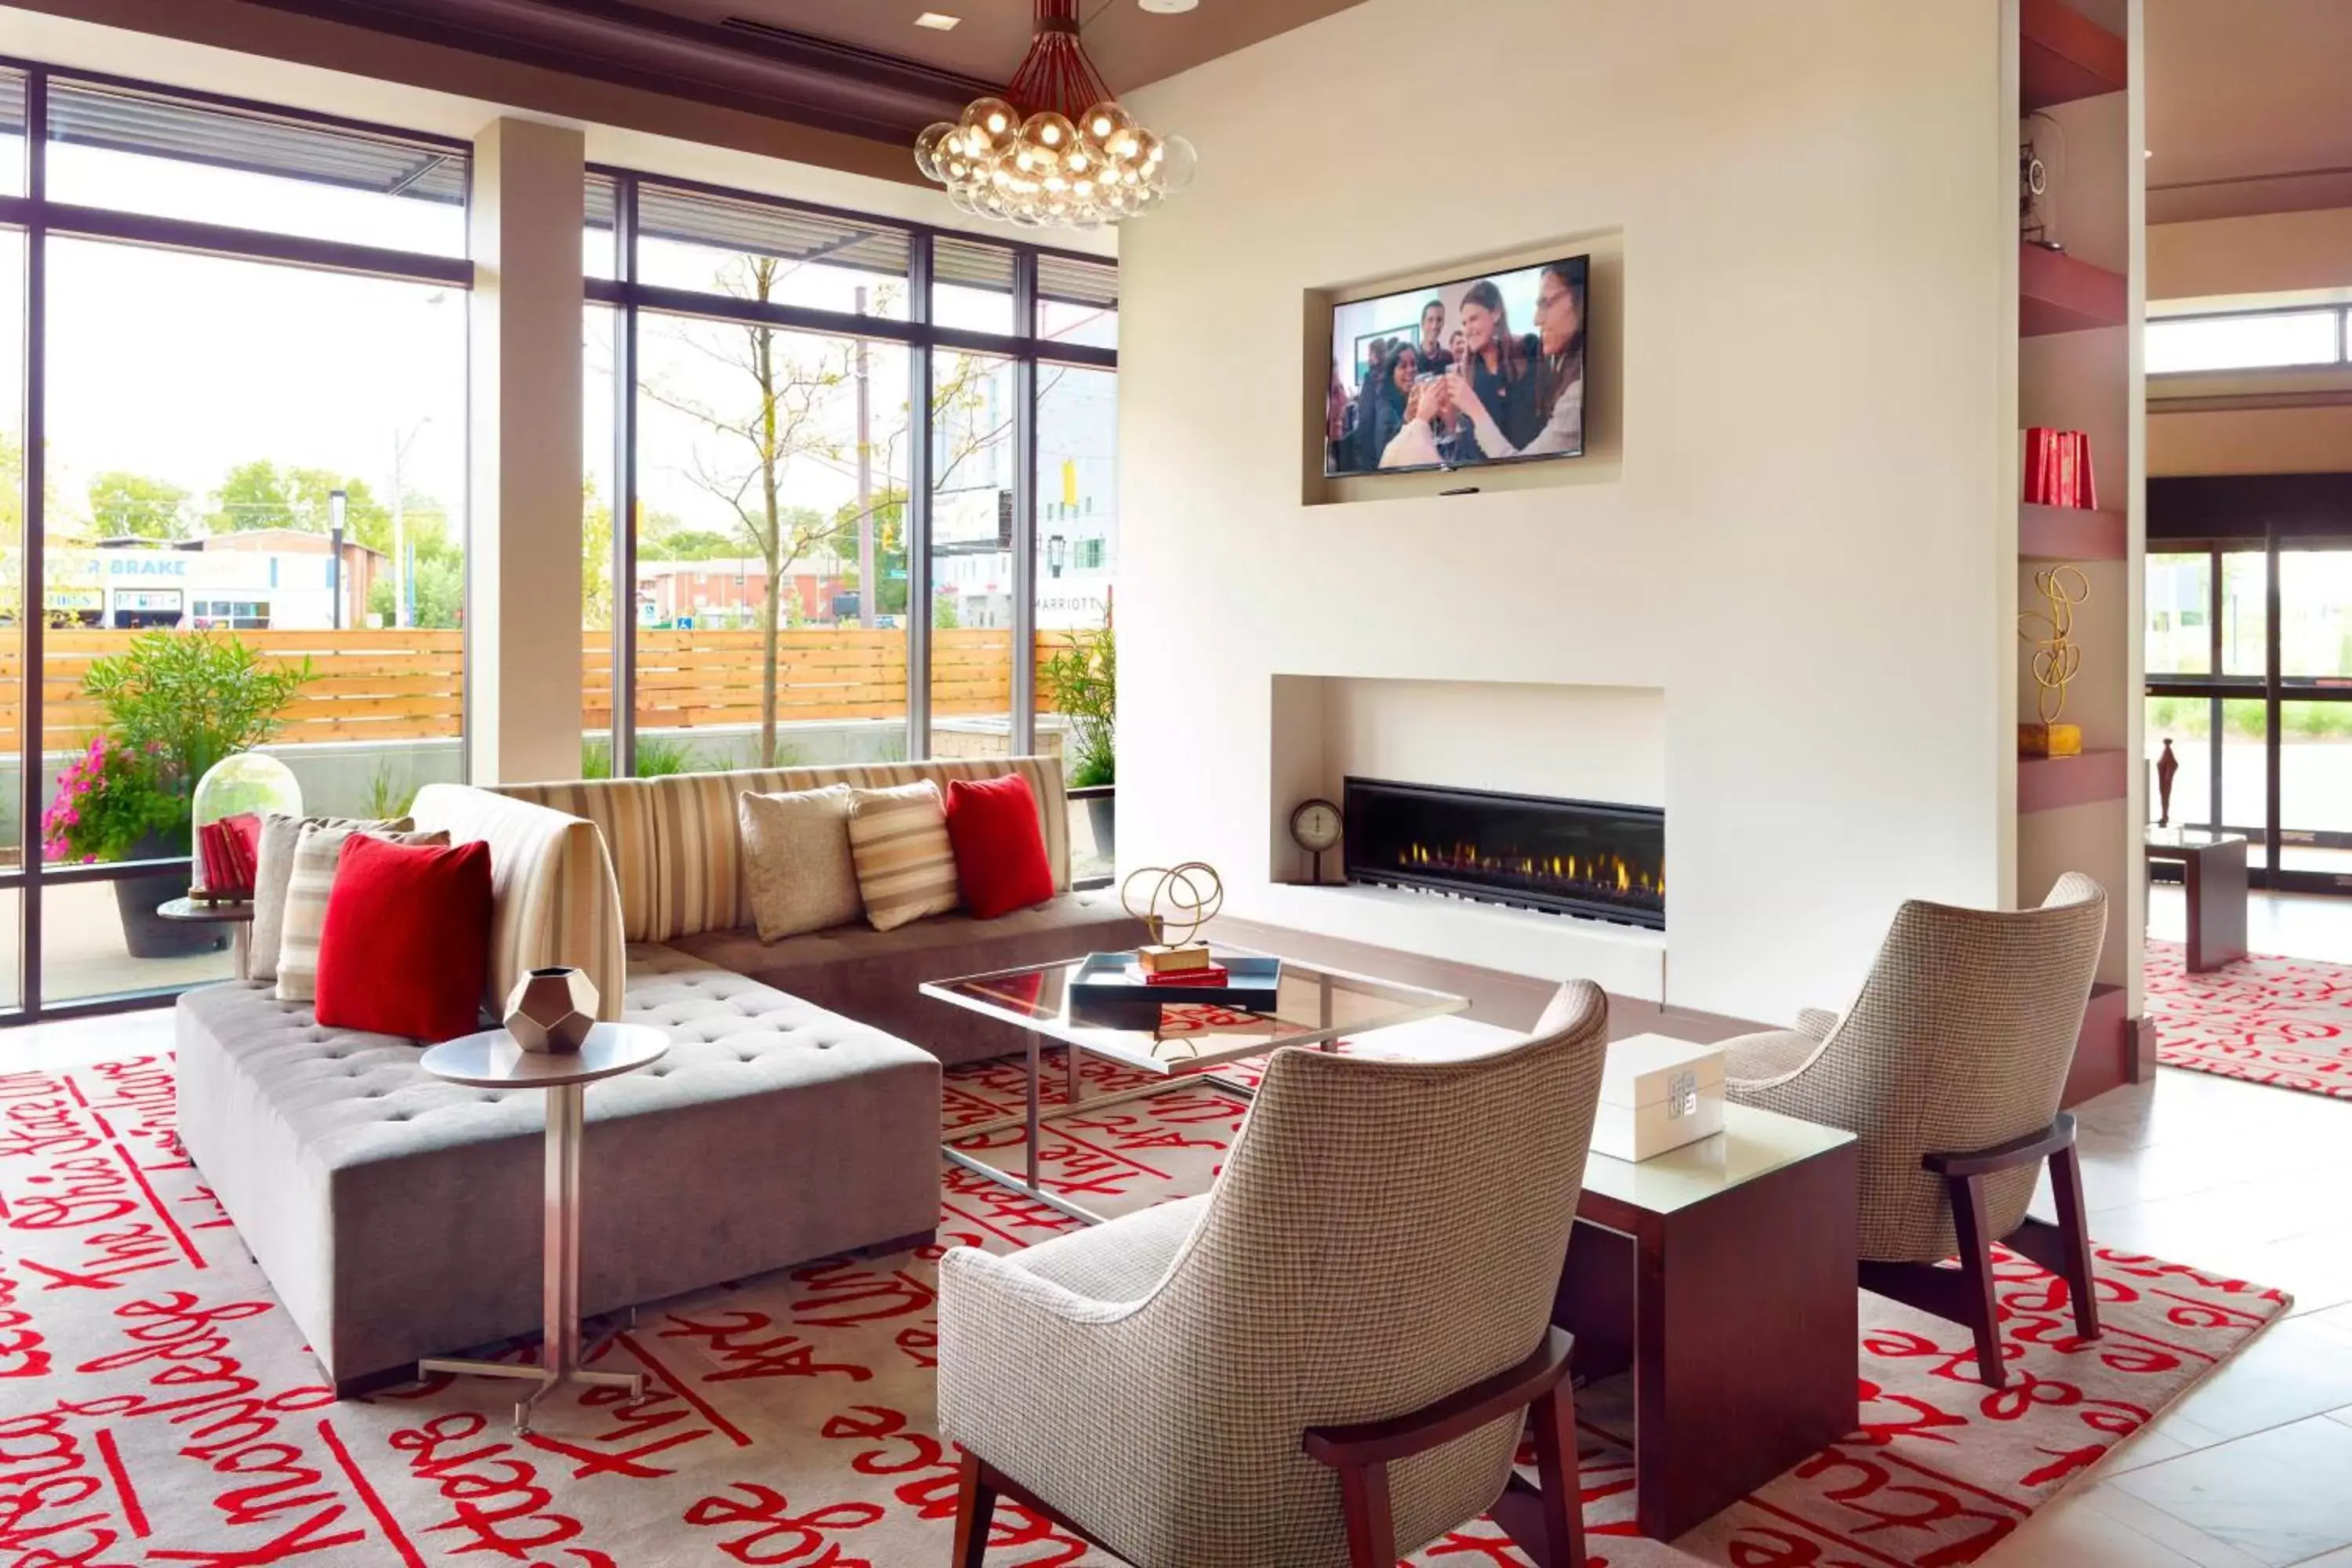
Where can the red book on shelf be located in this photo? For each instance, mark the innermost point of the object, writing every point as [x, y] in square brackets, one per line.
[2086, 488]
[2040, 465]
[1214, 974]
[2069, 486]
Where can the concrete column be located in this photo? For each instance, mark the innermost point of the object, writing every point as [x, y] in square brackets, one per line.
[522, 558]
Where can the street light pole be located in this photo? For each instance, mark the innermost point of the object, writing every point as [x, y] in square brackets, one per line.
[337, 501]
[401, 615]
[869, 590]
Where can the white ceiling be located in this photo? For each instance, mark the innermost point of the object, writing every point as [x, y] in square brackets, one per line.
[2249, 107]
[1131, 46]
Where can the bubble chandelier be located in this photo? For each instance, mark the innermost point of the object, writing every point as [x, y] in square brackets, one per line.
[1056, 151]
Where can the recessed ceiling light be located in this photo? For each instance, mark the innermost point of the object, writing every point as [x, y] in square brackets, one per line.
[938, 21]
[1169, 7]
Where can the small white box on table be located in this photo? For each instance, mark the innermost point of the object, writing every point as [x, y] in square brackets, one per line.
[1657, 1094]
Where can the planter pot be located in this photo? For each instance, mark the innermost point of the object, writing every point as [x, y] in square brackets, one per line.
[1102, 816]
[145, 934]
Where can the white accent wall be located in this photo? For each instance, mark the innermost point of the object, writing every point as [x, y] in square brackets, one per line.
[1803, 531]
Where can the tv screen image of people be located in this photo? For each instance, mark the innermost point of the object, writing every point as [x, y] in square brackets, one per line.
[1485, 369]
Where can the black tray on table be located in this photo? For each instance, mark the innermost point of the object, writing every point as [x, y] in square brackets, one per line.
[1109, 992]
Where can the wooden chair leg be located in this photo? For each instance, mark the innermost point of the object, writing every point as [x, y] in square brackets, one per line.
[1364, 1500]
[975, 1507]
[2074, 1238]
[1971, 1225]
[1556, 1466]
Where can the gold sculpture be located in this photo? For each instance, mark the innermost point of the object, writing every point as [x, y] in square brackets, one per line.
[1194, 893]
[2057, 660]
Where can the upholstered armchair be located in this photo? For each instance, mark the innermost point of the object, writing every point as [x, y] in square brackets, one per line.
[1328, 1359]
[1948, 1068]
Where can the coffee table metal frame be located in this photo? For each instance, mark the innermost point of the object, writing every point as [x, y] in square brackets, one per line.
[1147, 1050]
[491, 1060]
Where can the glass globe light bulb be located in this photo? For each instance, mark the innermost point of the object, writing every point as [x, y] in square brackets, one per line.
[1049, 130]
[929, 145]
[1180, 162]
[994, 119]
[1103, 122]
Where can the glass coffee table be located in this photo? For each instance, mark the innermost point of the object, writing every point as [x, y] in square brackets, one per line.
[1315, 1007]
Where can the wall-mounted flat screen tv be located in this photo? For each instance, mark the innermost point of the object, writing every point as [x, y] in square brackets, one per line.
[1485, 369]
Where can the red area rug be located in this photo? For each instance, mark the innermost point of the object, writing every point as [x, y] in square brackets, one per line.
[157, 1407]
[2281, 1021]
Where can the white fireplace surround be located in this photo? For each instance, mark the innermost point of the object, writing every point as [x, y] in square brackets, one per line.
[1581, 743]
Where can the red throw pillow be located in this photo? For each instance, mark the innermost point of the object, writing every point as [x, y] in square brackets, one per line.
[1000, 851]
[405, 949]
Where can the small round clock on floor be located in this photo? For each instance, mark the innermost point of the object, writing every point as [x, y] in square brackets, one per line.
[1314, 826]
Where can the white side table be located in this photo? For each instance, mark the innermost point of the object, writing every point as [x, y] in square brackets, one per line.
[491, 1060]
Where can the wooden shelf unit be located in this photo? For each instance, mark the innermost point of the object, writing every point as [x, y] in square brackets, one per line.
[2071, 533]
[2057, 293]
[2053, 784]
[2062, 55]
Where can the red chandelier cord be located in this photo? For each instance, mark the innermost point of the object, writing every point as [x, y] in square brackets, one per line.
[1055, 73]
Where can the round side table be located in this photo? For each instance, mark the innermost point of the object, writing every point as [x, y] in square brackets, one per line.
[238, 917]
[491, 1060]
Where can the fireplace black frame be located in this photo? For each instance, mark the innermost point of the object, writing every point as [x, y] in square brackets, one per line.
[1358, 873]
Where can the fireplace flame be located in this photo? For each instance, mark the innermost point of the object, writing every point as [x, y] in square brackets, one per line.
[1605, 873]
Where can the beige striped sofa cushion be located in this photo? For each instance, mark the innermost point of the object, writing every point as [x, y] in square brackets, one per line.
[678, 853]
[553, 893]
[622, 811]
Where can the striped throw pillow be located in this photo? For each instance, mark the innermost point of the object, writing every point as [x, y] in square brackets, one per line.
[317, 854]
[905, 864]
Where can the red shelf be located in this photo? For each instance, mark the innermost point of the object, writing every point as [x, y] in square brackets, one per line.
[2071, 533]
[2062, 55]
[2052, 784]
[2057, 293]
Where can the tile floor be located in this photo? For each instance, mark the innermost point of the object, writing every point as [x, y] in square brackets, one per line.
[2255, 1467]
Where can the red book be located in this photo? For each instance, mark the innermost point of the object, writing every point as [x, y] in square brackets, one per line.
[2087, 489]
[1214, 974]
[2069, 485]
[2040, 465]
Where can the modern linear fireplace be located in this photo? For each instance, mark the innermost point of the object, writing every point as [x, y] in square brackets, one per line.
[1567, 857]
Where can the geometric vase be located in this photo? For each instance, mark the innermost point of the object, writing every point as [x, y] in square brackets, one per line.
[551, 1011]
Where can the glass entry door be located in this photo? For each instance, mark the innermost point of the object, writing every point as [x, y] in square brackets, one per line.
[2249, 647]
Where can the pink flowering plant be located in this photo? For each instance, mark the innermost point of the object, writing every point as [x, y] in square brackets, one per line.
[108, 799]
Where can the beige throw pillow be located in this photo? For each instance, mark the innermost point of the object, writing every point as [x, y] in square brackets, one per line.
[317, 854]
[905, 864]
[796, 860]
[273, 864]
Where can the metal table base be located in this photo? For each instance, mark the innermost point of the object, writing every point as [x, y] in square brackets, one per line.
[1028, 1184]
[562, 1357]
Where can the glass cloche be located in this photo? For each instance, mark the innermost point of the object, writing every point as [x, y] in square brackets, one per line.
[231, 799]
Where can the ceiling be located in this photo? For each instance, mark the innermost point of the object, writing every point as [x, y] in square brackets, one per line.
[1132, 46]
[2247, 110]
[859, 68]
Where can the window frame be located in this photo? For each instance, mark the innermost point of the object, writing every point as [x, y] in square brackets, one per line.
[923, 338]
[39, 218]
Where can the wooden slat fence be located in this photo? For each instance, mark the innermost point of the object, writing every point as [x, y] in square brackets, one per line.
[410, 685]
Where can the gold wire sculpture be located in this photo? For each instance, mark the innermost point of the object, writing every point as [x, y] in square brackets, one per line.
[2057, 658]
[1192, 891]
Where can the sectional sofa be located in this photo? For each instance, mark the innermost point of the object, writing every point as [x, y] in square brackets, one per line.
[796, 1115]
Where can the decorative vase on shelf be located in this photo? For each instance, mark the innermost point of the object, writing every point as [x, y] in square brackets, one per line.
[226, 809]
[551, 1011]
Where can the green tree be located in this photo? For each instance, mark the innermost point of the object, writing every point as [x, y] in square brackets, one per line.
[259, 494]
[124, 505]
[595, 559]
[440, 593]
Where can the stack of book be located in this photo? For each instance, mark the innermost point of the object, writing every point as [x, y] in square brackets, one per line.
[2058, 468]
[225, 851]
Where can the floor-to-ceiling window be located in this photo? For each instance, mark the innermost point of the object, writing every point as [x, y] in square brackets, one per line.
[2249, 640]
[828, 447]
[231, 495]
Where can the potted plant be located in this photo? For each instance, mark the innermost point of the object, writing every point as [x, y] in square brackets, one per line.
[175, 703]
[1082, 682]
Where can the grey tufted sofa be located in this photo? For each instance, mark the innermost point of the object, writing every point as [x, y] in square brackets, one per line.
[398, 1216]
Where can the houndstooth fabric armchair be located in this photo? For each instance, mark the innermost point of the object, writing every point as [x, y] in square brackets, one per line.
[1961, 1040]
[1384, 1234]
